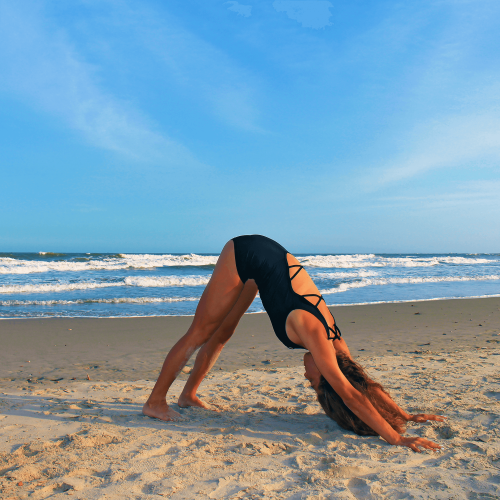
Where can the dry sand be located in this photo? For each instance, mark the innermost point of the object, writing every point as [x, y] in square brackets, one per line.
[270, 439]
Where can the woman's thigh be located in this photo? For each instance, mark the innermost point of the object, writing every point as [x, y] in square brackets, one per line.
[230, 322]
[221, 293]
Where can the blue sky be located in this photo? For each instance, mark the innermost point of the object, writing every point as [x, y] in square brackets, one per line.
[151, 126]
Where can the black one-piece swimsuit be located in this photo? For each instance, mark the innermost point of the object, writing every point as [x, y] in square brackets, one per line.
[264, 260]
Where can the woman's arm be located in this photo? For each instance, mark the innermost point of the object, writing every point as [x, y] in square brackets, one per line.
[391, 403]
[359, 404]
[314, 340]
[341, 346]
[420, 417]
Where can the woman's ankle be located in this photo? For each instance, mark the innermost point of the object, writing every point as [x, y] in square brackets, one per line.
[189, 391]
[155, 401]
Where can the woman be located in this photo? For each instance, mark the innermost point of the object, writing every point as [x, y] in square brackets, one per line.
[251, 264]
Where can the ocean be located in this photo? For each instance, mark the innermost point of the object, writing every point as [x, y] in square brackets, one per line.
[45, 284]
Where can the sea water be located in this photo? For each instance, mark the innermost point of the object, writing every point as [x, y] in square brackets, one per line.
[49, 284]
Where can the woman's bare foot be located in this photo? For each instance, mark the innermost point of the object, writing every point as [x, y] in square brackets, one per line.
[161, 411]
[185, 401]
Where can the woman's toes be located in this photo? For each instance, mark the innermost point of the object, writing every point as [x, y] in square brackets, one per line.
[161, 411]
[185, 401]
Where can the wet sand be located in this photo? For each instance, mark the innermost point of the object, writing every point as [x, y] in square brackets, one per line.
[41, 350]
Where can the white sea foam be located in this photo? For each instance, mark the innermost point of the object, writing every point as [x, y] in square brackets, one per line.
[372, 260]
[147, 260]
[344, 287]
[117, 300]
[10, 265]
[55, 287]
[124, 261]
[197, 280]
[342, 275]
[152, 281]
[163, 281]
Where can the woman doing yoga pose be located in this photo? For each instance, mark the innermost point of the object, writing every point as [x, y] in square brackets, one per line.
[300, 319]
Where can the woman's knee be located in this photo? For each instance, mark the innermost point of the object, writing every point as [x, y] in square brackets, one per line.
[223, 334]
[202, 333]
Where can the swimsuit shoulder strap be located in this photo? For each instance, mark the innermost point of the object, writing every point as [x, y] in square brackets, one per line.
[297, 272]
[314, 295]
[335, 330]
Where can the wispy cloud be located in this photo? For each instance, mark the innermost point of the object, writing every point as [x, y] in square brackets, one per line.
[310, 14]
[454, 141]
[452, 111]
[242, 10]
[41, 66]
[476, 195]
[212, 78]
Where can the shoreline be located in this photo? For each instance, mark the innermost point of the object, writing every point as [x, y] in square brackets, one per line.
[256, 312]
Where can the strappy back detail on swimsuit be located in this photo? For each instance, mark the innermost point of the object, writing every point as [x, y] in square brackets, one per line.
[336, 332]
[264, 260]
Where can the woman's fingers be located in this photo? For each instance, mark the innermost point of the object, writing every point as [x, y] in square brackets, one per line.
[429, 445]
[422, 417]
[438, 418]
[419, 418]
[416, 443]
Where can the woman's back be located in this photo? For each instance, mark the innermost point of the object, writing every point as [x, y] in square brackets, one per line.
[283, 284]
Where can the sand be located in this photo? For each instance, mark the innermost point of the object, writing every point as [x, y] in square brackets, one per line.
[269, 437]
[134, 348]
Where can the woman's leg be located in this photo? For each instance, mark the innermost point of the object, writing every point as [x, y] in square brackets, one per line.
[217, 300]
[209, 353]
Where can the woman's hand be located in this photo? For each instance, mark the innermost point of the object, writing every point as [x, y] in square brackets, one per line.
[415, 443]
[423, 417]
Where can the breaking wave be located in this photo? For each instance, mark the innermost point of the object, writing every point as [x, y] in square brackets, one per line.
[152, 281]
[118, 300]
[9, 265]
[342, 275]
[372, 260]
[343, 287]
[59, 287]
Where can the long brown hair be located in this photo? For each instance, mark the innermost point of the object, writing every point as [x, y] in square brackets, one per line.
[336, 409]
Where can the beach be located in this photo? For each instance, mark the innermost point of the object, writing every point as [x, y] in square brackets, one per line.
[72, 391]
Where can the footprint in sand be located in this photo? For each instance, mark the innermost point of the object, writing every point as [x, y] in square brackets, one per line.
[349, 471]
[359, 488]
[493, 394]
[446, 432]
